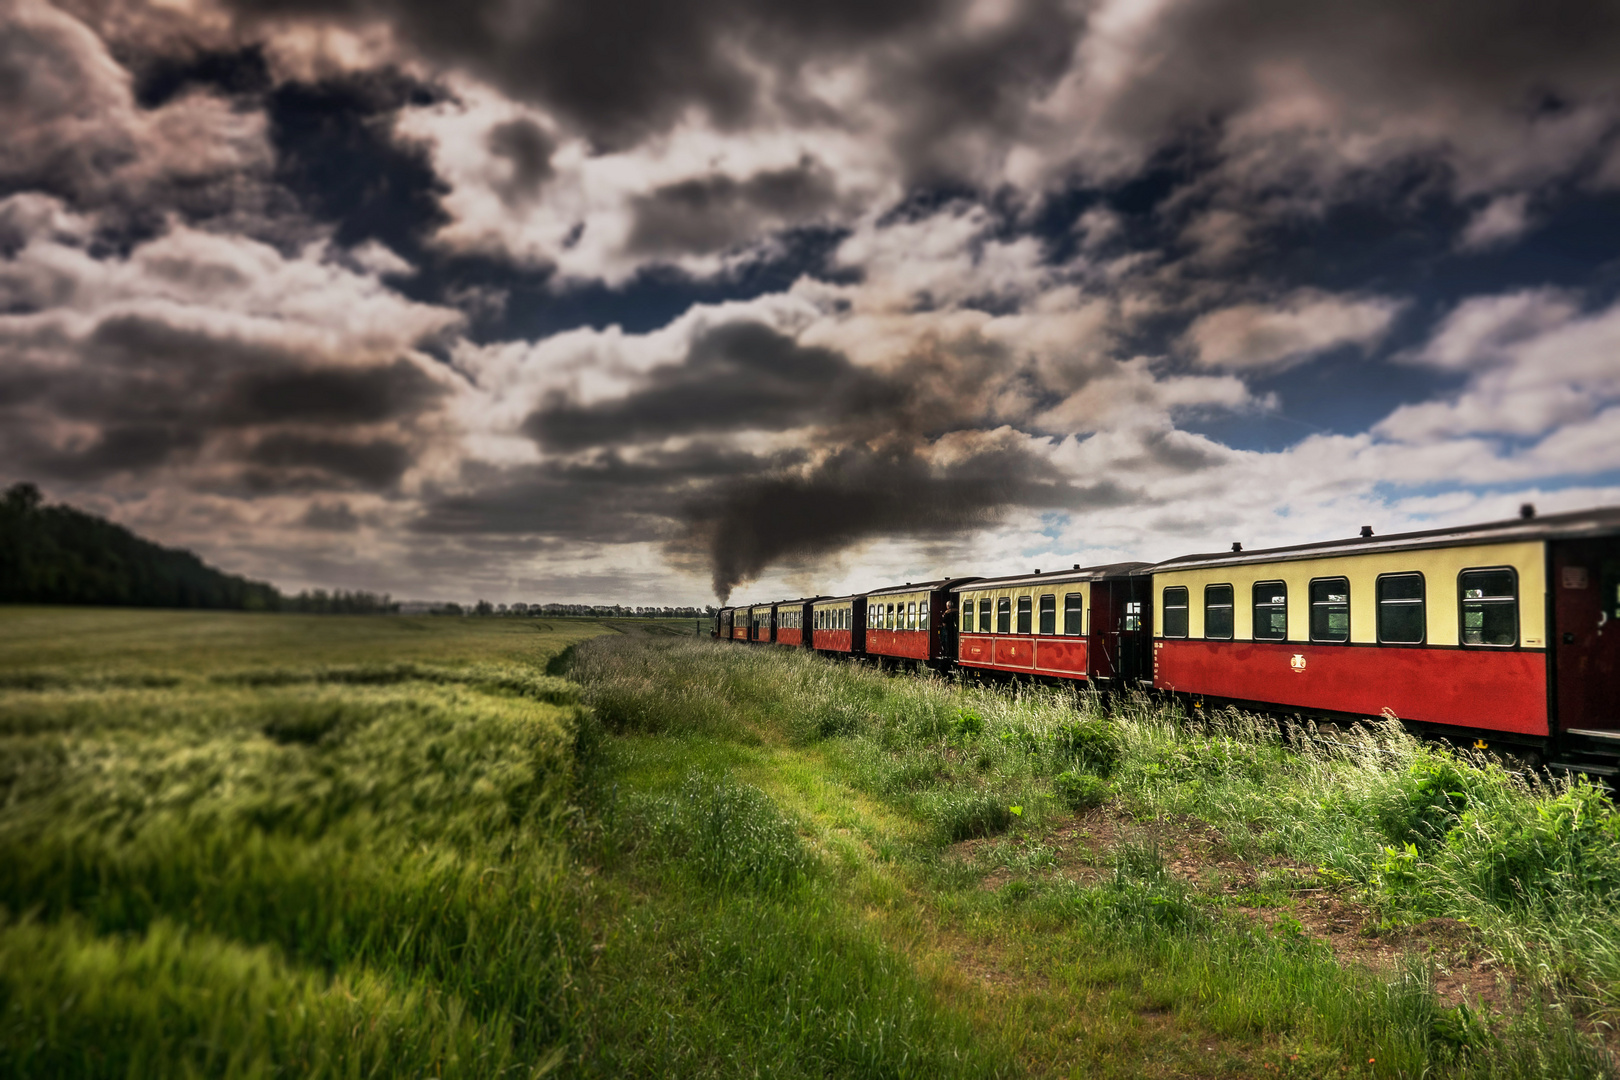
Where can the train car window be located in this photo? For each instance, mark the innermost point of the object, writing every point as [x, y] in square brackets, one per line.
[967, 616]
[1133, 615]
[1330, 609]
[984, 616]
[1271, 611]
[1218, 612]
[1400, 609]
[922, 615]
[1004, 615]
[1175, 612]
[888, 617]
[1049, 614]
[1074, 607]
[1490, 607]
[911, 615]
[1024, 621]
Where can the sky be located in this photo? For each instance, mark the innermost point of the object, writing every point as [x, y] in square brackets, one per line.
[670, 301]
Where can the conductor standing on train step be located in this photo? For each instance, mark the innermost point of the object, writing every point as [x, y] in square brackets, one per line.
[947, 631]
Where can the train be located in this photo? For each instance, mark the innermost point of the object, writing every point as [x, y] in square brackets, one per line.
[1503, 635]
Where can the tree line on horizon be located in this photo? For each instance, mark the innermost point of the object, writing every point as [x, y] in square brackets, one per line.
[61, 555]
[58, 554]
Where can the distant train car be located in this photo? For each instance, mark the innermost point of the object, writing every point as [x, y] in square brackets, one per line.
[906, 622]
[1083, 624]
[1506, 630]
[792, 617]
[838, 625]
[762, 623]
[722, 624]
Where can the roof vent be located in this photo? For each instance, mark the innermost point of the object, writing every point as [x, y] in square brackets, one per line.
[1077, 566]
[1037, 569]
[1366, 530]
[1236, 546]
[1527, 511]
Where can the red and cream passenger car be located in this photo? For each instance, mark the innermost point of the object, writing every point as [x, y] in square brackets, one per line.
[905, 622]
[762, 623]
[792, 618]
[1507, 629]
[1071, 624]
[838, 624]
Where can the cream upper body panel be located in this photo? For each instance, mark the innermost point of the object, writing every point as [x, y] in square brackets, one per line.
[1034, 591]
[1440, 567]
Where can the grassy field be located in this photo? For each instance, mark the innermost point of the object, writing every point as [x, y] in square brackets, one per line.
[256, 845]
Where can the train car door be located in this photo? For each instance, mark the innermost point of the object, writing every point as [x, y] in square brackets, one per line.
[1120, 631]
[1135, 631]
[1102, 637]
[1586, 632]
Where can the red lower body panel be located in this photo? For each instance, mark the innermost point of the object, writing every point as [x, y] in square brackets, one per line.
[1061, 656]
[1495, 690]
[911, 644]
[789, 635]
[831, 640]
[740, 634]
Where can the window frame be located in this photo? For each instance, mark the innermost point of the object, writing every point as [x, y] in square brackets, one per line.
[1462, 621]
[964, 620]
[1046, 615]
[911, 615]
[1026, 615]
[1184, 606]
[1079, 610]
[1256, 606]
[1004, 615]
[1311, 605]
[986, 616]
[1422, 603]
[1231, 606]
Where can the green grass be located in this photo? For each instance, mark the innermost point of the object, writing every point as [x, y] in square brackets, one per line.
[270, 845]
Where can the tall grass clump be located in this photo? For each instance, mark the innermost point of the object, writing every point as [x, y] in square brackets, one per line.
[360, 871]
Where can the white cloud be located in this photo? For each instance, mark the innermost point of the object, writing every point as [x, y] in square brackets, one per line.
[1500, 221]
[1535, 363]
[1257, 337]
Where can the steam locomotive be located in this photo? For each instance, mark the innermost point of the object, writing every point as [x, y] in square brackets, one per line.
[1503, 635]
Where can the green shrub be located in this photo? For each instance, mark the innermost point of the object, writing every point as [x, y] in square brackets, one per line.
[958, 814]
[1079, 791]
[1093, 743]
[966, 728]
[1570, 843]
[1427, 802]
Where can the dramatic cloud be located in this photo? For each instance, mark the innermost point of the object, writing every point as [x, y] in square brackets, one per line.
[638, 300]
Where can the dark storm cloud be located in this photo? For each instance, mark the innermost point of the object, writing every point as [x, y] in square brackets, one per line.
[332, 395]
[857, 494]
[373, 463]
[605, 498]
[619, 70]
[738, 376]
[338, 153]
[161, 77]
[702, 216]
[138, 394]
[527, 148]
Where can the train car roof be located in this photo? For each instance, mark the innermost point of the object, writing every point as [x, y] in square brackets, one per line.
[1579, 524]
[846, 598]
[1054, 577]
[920, 586]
